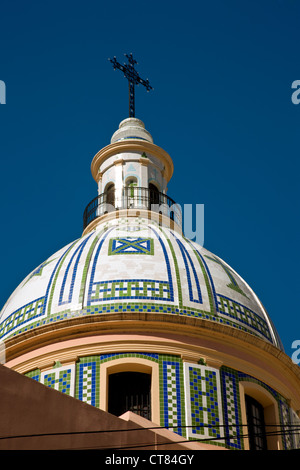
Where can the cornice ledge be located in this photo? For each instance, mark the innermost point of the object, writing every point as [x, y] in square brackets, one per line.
[133, 145]
[139, 321]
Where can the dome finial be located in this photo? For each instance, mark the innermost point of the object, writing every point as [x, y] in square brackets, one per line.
[133, 79]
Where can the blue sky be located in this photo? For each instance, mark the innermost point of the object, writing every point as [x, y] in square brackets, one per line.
[221, 107]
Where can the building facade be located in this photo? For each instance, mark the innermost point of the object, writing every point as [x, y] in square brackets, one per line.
[135, 316]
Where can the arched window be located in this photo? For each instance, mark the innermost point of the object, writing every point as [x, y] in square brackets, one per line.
[256, 424]
[130, 391]
[113, 390]
[110, 194]
[131, 193]
[130, 184]
[153, 195]
[260, 417]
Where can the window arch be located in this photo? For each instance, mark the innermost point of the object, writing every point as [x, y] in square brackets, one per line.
[131, 365]
[131, 181]
[153, 195]
[130, 185]
[260, 416]
[109, 194]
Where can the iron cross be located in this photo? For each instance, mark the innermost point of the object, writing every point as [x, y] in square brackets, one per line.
[133, 79]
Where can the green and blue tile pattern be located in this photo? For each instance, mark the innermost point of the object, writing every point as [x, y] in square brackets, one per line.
[198, 402]
[139, 266]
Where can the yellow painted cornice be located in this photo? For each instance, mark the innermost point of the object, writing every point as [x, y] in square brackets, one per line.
[161, 333]
[132, 145]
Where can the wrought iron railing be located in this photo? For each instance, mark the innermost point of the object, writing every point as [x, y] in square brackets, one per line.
[132, 198]
[139, 403]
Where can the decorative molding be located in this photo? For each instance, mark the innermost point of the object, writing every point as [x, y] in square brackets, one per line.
[135, 146]
[191, 357]
[165, 334]
[216, 363]
[144, 161]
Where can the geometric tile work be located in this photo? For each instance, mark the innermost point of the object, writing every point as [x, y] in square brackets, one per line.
[34, 374]
[193, 287]
[116, 307]
[249, 378]
[171, 387]
[243, 314]
[54, 277]
[88, 374]
[130, 289]
[112, 356]
[70, 274]
[87, 380]
[195, 400]
[136, 288]
[231, 407]
[31, 310]
[60, 378]
[172, 395]
[74, 282]
[203, 403]
[130, 245]
[39, 270]
[23, 315]
[233, 283]
[283, 409]
[287, 438]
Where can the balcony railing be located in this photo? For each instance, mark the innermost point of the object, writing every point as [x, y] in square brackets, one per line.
[132, 198]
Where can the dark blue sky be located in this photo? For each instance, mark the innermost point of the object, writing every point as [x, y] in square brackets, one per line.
[221, 107]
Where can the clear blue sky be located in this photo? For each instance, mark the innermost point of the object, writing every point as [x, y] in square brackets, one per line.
[221, 107]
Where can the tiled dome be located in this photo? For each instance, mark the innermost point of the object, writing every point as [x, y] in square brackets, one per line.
[133, 265]
[134, 295]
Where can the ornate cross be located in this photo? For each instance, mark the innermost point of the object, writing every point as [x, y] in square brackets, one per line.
[133, 79]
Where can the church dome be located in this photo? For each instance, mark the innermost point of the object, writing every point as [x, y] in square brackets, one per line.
[135, 317]
[132, 265]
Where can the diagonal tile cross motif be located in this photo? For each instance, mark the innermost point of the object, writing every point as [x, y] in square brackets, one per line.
[233, 284]
[38, 271]
[131, 245]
